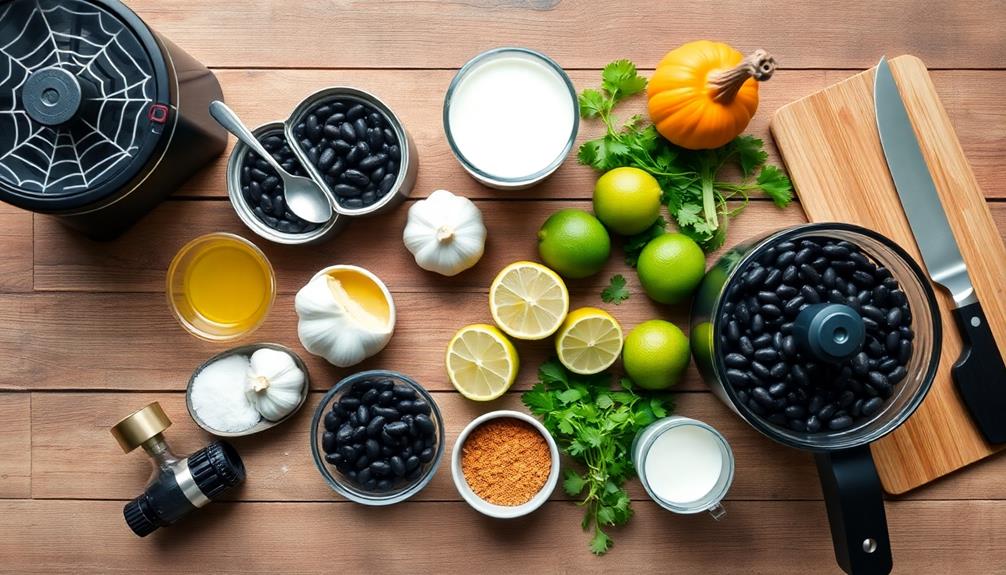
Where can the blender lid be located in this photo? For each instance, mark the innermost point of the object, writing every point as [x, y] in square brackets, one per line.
[84, 100]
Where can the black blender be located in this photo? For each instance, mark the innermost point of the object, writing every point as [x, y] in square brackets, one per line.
[100, 117]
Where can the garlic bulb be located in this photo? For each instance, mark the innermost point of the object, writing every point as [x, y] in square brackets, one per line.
[273, 384]
[445, 233]
[336, 326]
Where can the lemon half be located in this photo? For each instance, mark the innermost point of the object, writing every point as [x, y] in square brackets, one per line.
[481, 362]
[528, 300]
[589, 341]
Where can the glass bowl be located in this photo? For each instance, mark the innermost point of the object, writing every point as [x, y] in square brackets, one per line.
[181, 301]
[342, 484]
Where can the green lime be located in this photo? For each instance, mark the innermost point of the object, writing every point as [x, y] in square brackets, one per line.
[574, 243]
[671, 267]
[655, 354]
[627, 200]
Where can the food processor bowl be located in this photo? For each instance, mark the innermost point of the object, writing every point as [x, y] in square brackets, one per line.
[848, 476]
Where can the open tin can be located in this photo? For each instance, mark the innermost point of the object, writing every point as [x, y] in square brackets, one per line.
[398, 189]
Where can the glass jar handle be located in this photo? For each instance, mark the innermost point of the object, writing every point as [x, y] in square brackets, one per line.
[717, 511]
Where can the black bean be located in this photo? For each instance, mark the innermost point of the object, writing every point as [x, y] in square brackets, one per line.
[735, 360]
[332, 421]
[347, 133]
[863, 278]
[873, 312]
[396, 428]
[361, 462]
[759, 370]
[737, 378]
[355, 112]
[359, 434]
[777, 389]
[828, 277]
[397, 466]
[772, 279]
[370, 396]
[426, 455]
[840, 423]
[373, 448]
[356, 178]
[348, 452]
[897, 374]
[794, 306]
[790, 274]
[834, 251]
[766, 355]
[313, 128]
[785, 258]
[375, 426]
[360, 127]
[745, 346]
[804, 256]
[762, 396]
[326, 160]
[425, 425]
[342, 147]
[764, 340]
[387, 183]
[363, 414]
[904, 352]
[755, 276]
[328, 442]
[894, 317]
[827, 412]
[380, 469]
[860, 363]
[733, 331]
[872, 406]
[813, 424]
[808, 273]
[779, 370]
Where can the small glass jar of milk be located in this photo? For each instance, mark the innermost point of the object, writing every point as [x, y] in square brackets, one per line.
[685, 465]
[511, 116]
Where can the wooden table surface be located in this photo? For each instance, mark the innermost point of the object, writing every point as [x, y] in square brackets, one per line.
[86, 336]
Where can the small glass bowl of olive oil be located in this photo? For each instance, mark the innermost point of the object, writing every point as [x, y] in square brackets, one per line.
[220, 287]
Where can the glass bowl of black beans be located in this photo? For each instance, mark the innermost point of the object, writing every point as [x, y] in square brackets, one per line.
[749, 334]
[354, 144]
[256, 191]
[377, 437]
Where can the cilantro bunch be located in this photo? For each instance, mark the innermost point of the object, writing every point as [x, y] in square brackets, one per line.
[595, 425]
[695, 195]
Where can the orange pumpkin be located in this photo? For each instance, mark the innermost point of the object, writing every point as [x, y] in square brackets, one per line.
[703, 94]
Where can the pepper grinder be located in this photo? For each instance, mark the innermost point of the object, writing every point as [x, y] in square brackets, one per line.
[178, 485]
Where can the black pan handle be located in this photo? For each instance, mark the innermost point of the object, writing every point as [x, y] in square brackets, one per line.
[980, 374]
[855, 504]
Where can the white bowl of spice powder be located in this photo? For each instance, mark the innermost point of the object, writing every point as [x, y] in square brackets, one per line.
[505, 464]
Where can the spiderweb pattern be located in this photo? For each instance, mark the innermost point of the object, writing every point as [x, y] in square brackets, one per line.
[117, 86]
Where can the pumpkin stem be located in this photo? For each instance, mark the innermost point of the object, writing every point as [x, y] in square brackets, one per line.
[759, 65]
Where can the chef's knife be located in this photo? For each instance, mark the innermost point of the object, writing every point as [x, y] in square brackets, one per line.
[979, 373]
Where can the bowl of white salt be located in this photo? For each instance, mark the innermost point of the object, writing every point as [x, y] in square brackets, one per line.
[247, 389]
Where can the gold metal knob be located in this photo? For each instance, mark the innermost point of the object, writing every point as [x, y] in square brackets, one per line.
[138, 427]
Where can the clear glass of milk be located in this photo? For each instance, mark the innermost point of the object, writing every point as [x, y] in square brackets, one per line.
[511, 117]
[685, 465]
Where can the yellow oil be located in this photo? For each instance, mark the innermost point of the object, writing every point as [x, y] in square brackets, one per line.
[362, 290]
[228, 283]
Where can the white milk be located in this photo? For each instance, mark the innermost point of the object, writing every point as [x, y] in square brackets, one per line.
[684, 464]
[511, 116]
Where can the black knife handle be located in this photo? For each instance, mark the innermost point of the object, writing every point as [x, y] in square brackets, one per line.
[980, 373]
[855, 503]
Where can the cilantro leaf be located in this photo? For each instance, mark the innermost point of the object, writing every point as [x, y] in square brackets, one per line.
[574, 483]
[594, 424]
[774, 184]
[593, 103]
[621, 80]
[751, 153]
[616, 292]
[600, 543]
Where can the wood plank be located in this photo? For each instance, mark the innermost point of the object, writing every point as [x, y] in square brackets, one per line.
[131, 342]
[137, 261]
[15, 445]
[972, 99]
[824, 134]
[16, 238]
[583, 34]
[279, 463]
[755, 537]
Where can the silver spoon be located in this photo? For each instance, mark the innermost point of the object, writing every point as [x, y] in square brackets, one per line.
[303, 196]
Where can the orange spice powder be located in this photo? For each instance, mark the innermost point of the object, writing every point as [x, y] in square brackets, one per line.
[506, 461]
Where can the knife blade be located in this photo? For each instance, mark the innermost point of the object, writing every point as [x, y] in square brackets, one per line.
[980, 373]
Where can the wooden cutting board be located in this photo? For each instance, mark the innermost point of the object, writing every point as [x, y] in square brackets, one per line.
[832, 150]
